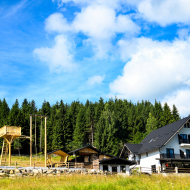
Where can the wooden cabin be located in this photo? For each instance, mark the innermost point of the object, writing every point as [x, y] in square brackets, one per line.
[90, 156]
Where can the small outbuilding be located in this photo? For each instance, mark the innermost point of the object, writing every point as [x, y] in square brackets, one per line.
[116, 165]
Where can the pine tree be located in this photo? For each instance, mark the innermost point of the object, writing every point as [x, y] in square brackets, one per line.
[90, 120]
[151, 124]
[15, 115]
[80, 133]
[4, 113]
[175, 114]
[166, 117]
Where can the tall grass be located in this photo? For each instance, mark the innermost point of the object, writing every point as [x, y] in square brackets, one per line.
[93, 182]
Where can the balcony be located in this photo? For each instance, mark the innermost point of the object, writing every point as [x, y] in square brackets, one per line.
[174, 156]
[184, 142]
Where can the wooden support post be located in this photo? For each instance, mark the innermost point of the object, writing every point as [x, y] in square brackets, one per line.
[158, 169]
[9, 153]
[45, 138]
[30, 140]
[176, 170]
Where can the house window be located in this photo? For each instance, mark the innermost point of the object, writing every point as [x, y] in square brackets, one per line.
[188, 153]
[153, 167]
[170, 152]
[183, 138]
[123, 169]
[114, 168]
[105, 167]
[146, 154]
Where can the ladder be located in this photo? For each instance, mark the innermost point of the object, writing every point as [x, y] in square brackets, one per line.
[4, 153]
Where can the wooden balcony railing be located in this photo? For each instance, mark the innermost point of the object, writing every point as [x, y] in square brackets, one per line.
[175, 156]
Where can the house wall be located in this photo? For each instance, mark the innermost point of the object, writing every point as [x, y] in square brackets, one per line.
[147, 161]
[174, 142]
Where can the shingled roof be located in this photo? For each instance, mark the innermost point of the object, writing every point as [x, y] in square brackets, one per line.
[157, 138]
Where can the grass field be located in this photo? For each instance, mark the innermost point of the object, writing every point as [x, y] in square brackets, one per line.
[94, 182]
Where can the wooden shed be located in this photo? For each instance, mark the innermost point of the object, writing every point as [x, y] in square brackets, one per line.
[58, 152]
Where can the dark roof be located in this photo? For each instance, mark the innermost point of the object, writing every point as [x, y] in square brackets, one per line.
[117, 160]
[157, 138]
[88, 146]
[135, 148]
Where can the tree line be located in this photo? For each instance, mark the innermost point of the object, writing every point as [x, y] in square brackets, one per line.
[105, 124]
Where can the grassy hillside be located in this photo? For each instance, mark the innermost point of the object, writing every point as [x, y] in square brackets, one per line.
[97, 182]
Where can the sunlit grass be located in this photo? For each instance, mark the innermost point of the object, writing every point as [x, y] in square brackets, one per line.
[25, 160]
[78, 181]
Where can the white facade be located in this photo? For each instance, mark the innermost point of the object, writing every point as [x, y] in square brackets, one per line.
[150, 159]
[127, 170]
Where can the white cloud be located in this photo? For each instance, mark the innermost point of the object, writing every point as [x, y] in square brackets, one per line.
[181, 101]
[98, 22]
[183, 33]
[163, 12]
[154, 70]
[56, 23]
[97, 79]
[59, 57]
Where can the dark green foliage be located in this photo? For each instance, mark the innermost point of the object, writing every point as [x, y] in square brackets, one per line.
[106, 125]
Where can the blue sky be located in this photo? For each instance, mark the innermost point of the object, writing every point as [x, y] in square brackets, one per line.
[83, 49]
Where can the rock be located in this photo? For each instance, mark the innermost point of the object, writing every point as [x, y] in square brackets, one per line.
[17, 171]
[2, 174]
[18, 174]
[35, 171]
[12, 172]
[49, 171]
[12, 175]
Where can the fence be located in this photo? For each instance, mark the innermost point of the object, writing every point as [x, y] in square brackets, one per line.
[41, 164]
[158, 170]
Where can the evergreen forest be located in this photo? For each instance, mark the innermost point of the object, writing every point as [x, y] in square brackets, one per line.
[107, 125]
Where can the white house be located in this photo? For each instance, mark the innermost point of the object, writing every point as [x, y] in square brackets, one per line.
[163, 148]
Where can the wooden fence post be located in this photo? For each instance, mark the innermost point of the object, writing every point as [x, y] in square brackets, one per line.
[158, 169]
[176, 170]
[139, 169]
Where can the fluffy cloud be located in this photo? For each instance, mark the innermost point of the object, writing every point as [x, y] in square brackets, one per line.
[57, 23]
[59, 57]
[155, 68]
[97, 79]
[163, 12]
[98, 22]
[181, 100]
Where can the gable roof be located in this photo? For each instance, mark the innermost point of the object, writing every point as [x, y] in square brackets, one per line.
[117, 160]
[91, 147]
[135, 148]
[58, 152]
[157, 138]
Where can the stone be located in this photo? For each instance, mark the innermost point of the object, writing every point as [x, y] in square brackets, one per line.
[17, 171]
[12, 172]
[35, 171]
[18, 174]
[2, 174]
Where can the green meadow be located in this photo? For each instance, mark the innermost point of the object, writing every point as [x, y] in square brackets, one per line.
[93, 182]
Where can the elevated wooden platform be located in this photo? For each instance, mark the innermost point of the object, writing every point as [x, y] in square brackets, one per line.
[6, 131]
